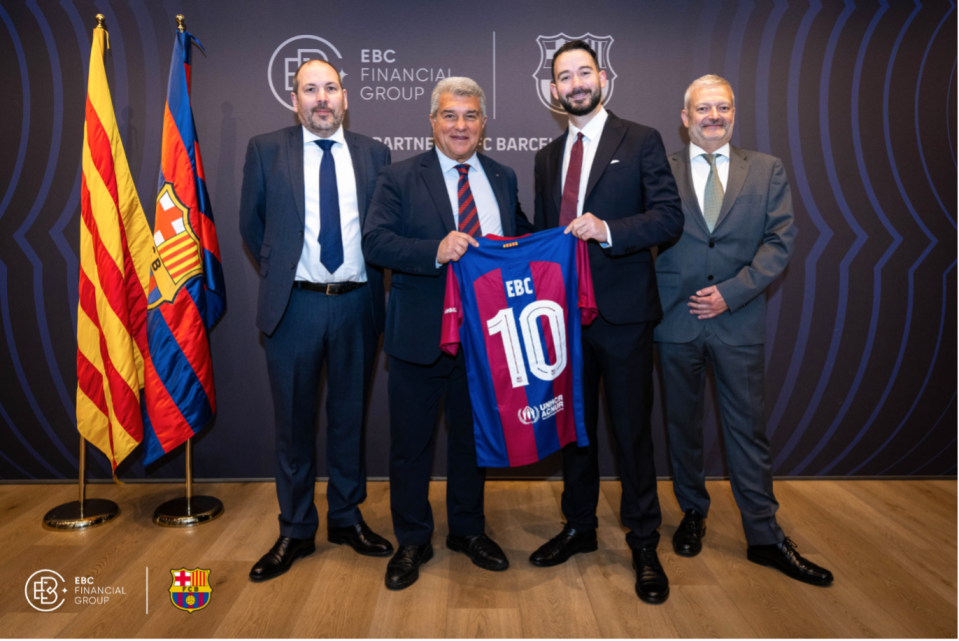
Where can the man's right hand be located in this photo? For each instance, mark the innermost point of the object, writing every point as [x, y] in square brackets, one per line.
[454, 246]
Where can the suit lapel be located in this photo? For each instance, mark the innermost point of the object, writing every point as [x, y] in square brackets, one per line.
[498, 183]
[432, 175]
[738, 169]
[684, 183]
[609, 140]
[358, 157]
[294, 148]
[556, 172]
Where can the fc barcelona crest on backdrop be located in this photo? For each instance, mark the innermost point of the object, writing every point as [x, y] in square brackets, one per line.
[191, 589]
[176, 252]
[548, 45]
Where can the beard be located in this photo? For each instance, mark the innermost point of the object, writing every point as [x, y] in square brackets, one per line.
[321, 126]
[594, 98]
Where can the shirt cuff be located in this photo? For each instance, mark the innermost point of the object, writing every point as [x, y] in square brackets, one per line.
[609, 237]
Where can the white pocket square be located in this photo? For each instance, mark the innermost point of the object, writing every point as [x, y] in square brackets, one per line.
[613, 162]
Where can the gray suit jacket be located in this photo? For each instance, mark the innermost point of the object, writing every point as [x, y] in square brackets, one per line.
[272, 214]
[748, 248]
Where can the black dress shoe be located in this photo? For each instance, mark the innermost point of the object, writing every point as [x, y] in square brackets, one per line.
[361, 538]
[564, 545]
[280, 557]
[783, 556]
[403, 569]
[688, 538]
[481, 549]
[652, 586]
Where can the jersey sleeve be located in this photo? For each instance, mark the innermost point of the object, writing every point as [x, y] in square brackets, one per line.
[452, 314]
[587, 300]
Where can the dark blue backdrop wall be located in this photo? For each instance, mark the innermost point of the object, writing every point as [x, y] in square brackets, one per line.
[859, 100]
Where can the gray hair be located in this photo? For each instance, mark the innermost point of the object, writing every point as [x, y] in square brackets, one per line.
[709, 80]
[461, 88]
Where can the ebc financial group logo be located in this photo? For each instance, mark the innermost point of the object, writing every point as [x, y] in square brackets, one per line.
[549, 45]
[45, 590]
[290, 55]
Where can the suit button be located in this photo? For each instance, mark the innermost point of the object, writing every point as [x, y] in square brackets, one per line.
[710, 278]
[293, 266]
[712, 244]
[301, 235]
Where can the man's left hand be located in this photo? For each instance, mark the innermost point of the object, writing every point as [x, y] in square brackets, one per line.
[588, 227]
[707, 303]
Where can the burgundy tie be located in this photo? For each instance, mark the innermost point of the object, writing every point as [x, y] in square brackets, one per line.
[567, 208]
[469, 218]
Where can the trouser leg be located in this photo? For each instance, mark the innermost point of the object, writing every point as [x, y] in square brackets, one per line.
[684, 384]
[465, 481]
[294, 357]
[740, 383]
[627, 355]
[581, 464]
[350, 349]
[415, 392]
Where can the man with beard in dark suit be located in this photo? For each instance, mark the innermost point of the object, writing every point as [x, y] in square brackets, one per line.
[607, 181]
[305, 195]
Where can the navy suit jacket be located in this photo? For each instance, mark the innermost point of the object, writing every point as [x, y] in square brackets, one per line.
[409, 215]
[272, 214]
[631, 188]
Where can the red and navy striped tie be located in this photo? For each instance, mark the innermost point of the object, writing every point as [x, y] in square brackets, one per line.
[469, 217]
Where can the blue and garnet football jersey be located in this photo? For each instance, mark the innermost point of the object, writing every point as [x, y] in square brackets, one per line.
[516, 305]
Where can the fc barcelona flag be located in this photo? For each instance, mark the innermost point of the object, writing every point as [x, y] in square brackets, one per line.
[186, 292]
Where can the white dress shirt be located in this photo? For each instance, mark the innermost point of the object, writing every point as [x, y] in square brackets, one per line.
[310, 268]
[591, 133]
[486, 206]
[700, 169]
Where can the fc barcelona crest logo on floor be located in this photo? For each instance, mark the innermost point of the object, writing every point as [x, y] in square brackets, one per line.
[191, 589]
[549, 45]
[176, 250]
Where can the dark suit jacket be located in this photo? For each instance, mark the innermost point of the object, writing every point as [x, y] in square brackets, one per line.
[409, 215]
[630, 188]
[272, 214]
[748, 248]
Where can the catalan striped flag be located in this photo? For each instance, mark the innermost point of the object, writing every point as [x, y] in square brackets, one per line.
[186, 291]
[114, 269]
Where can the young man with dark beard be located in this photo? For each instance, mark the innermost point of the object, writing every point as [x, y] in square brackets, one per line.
[607, 181]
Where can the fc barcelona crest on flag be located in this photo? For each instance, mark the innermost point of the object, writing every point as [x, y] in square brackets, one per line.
[176, 253]
[191, 589]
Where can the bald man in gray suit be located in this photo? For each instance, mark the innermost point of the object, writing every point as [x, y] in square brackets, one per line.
[737, 239]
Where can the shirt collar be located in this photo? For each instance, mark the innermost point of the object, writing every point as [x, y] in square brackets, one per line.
[447, 163]
[696, 151]
[593, 128]
[310, 138]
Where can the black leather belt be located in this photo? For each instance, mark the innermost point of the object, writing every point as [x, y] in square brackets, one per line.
[330, 289]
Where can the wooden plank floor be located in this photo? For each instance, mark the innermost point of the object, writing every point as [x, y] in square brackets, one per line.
[890, 544]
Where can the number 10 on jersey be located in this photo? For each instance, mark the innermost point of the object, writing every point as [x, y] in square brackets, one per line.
[504, 324]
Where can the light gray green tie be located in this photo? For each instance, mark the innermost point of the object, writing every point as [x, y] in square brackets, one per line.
[713, 196]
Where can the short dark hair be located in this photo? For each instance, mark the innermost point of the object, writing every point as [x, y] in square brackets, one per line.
[296, 76]
[572, 45]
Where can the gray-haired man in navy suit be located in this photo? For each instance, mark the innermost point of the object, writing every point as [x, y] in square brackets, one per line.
[737, 239]
[306, 190]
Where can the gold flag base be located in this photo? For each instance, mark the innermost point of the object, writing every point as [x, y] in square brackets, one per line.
[188, 511]
[74, 516]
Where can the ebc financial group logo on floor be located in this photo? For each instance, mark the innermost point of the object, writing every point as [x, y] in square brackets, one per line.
[191, 590]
